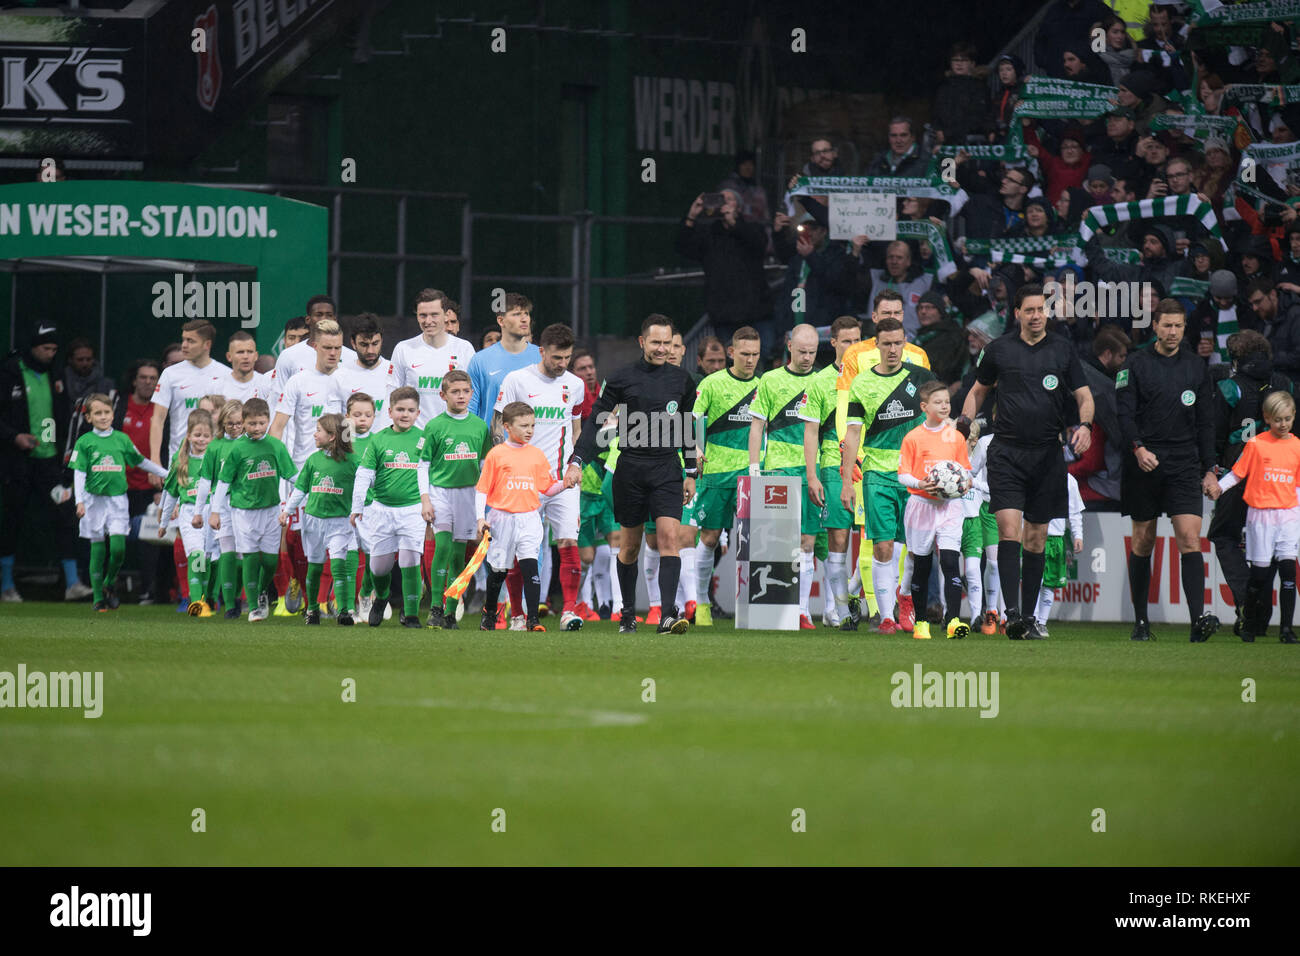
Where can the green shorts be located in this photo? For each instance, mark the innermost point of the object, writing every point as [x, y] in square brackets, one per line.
[885, 501]
[978, 533]
[835, 515]
[1054, 561]
[715, 499]
[822, 546]
[597, 520]
[810, 516]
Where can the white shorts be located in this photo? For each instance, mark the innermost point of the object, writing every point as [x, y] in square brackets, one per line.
[326, 534]
[924, 521]
[362, 539]
[453, 510]
[105, 514]
[389, 530]
[192, 538]
[1272, 533]
[563, 512]
[257, 530]
[513, 536]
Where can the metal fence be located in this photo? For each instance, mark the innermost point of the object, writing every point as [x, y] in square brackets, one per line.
[578, 279]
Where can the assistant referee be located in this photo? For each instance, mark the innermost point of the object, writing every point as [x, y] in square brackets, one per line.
[1036, 373]
[653, 400]
[1164, 400]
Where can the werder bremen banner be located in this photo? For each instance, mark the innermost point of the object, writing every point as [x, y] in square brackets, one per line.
[284, 239]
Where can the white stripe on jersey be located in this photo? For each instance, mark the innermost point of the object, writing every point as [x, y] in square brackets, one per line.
[555, 401]
[179, 389]
[421, 366]
[376, 382]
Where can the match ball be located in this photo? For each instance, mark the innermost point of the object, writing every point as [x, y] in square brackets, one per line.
[953, 480]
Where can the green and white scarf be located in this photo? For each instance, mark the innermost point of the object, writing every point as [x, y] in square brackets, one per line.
[925, 187]
[1047, 98]
[1098, 217]
[1214, 12]
[924, 229]
[1190, 288]
[1199, 127]
[1239, 94]
[1013, 150]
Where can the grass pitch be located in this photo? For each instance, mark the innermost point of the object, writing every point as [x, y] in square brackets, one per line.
[247, 722]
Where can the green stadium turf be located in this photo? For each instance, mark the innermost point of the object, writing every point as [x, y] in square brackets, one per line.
[246, 721]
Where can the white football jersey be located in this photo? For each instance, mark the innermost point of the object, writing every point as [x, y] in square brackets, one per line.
[555, 402]
[309, 395]
[179, 389]
[259, 386]
[421, 366]
[376, 382]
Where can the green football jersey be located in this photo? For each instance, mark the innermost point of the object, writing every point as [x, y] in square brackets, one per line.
[184, 491]
[359, 445]
[455, 449]
[593, 472]
[779, 400]
[253, 470]
[395, 458]
[214, 458]
[328, 484]
[887, 407]
[821, 410]
[105, 459]
[723, 401]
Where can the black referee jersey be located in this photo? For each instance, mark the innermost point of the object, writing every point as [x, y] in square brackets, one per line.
[1036, 386]
[1166, 402]
[645, 390]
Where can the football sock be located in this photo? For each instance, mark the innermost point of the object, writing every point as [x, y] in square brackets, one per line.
[227, 574]
[651, 571]
[313, 586]
[670, 570]
[807, 568]
[532, 585]
[950, 566]
[627, 584]
[1044, 608]
[920, 589]
[1009, 572]
[198, 572]
[440, 567]
[884, 580]
[1139, 584]
[1193, 574]
[600, 581]
[688, 583]
[97, 550]
[1285, 590]
[837, 571]
[1031, 577]
[703, 571]
[570, 574]
[974, 586]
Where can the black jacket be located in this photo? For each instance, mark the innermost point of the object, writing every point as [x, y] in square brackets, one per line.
[945, 345]
[1064, 24]
[735, 289]
[1239, 407]
[14, 419]
[961, 107]
[1283, 333]
[643, 390]
[829, 287]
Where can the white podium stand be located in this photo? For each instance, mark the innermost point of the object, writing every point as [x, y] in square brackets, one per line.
[766, 545]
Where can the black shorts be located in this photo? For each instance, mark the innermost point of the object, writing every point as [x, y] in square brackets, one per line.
[1028, 478]
[1172, 488]
[647, 490]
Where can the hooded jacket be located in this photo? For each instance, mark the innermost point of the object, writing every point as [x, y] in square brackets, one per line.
[14, 415]
[961, 107]
[1239, 399]
[1162, 270]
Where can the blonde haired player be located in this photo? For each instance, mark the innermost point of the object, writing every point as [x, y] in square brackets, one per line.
[932, 521]
[1270, 466]
[515, 477]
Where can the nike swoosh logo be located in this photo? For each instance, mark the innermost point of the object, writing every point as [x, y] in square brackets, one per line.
[356, 390]
[310, 394]
[416, 364]
[42, 330]
[533, 395]
[496, 373]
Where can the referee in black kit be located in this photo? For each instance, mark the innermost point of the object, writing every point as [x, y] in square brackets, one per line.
[1165, 402]
[1036, 374]
[653, 401]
